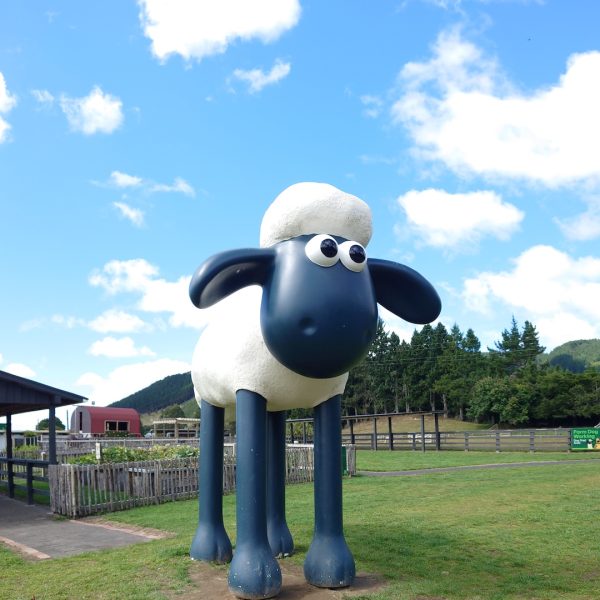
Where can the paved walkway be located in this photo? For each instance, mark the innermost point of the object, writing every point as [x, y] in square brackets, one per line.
[533, 463]
[33, 531]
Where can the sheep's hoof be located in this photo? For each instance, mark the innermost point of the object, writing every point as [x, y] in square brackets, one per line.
[329, 563]
[280, 539]
[211, 544]
[254, 573]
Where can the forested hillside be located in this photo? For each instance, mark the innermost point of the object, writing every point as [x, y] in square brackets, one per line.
[576, 356]
[174, 389]
[442, 369]
[448, 369]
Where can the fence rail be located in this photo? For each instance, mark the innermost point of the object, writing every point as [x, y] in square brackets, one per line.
[512, 440]
[23, 469]
[80, 490]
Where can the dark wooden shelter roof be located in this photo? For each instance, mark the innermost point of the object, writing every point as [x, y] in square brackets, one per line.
[19, 395]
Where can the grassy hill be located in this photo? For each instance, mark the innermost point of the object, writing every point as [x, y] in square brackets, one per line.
[174, 389]
[576, 356]
[410, 423]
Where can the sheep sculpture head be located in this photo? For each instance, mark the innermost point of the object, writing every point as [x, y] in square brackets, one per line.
[293, 348]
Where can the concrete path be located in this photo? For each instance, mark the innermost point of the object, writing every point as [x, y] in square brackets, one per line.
[533, 463]
[35, 532]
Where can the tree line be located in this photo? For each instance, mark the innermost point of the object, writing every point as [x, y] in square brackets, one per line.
[447, 370]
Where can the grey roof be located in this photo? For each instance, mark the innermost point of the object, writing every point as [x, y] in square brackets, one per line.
[19, 395]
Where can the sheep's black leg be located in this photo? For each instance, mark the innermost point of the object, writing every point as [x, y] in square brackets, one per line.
[254, 572]
[211, 542]
[280, 538]
[329, 562]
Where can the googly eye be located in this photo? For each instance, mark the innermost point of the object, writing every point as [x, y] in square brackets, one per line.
[322, 250]
[353, 256]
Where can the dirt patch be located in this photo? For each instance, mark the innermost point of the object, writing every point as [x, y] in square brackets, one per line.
[209, 582]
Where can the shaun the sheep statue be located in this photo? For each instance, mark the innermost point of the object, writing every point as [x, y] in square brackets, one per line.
[291, 347]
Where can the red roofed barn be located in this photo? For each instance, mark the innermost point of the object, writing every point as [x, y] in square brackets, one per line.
[97, 420]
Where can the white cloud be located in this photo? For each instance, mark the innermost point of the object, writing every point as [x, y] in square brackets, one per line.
[195, 30]
[7, 103]
[178, 186]
[156, 295]
[400, 327]
[68, 322]
[373, 105]
[560, 294]
[585, 226]
[461, 110]
[43, 97]
[95, 113]
[123, 180]
[118, 348]
[134, 215]
[126, 380]
[20, 370]
[447, 220]
[1, 359]
[257, 79]
[117, 321]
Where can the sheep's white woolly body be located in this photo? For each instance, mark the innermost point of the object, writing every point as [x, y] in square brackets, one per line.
[232, 355]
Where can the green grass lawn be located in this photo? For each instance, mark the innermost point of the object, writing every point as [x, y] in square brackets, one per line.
[487, 534]
[22, 494]
[405, 460]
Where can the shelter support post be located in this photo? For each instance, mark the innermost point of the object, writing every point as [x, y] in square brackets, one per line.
[9, 455]
[52, 433]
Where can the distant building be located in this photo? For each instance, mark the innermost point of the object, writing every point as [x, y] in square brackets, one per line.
[100, 421]
[177, 428]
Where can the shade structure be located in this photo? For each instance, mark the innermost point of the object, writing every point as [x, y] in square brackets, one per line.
[20, 395]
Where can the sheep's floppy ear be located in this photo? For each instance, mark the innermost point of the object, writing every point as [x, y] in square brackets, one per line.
[404, 292]
[228, 272]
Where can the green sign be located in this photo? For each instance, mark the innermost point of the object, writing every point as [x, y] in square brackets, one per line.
[585, 438]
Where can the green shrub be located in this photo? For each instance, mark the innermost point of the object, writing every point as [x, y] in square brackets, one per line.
[118, 454]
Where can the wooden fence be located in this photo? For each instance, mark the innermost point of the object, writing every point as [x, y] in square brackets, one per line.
[27, 471]
[80, 490]
[512, 440]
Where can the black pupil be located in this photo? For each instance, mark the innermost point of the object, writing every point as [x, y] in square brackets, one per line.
[357, 254]
[329, 248]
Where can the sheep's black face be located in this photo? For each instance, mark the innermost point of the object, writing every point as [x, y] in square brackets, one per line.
[319, 310]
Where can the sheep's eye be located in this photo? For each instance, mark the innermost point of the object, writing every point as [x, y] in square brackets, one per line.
[322, 250]
[353, 256]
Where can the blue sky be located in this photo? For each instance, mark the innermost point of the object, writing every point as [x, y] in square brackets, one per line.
[137, 139]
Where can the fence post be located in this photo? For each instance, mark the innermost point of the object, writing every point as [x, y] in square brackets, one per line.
[73, 479]
[390, 434]
[466, 441]
[29, 468]
[532, 440]
[497, 441]
[437, 431]
[374, 445]
[422, 433]
[414, 441]
[352, 431]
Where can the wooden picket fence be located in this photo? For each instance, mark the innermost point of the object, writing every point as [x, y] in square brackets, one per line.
[81, 490]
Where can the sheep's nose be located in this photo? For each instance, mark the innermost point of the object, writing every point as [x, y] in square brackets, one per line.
[307, 326]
